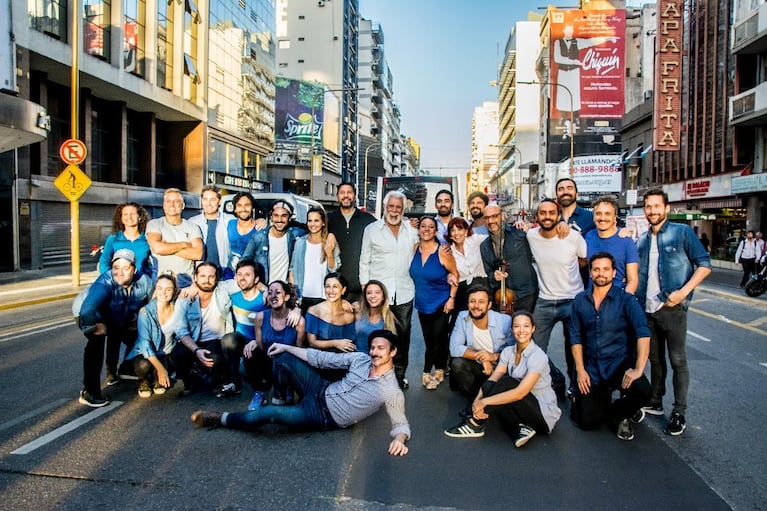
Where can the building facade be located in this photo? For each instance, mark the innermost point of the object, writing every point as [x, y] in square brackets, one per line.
[170, 95]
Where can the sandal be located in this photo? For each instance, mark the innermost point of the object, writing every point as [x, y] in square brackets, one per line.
[439, 375]
[433, 384]
[425, 379]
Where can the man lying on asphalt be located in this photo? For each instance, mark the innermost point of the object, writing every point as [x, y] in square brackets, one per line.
[369, 383]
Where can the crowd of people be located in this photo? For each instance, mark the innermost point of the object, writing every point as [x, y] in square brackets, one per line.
[315, 318]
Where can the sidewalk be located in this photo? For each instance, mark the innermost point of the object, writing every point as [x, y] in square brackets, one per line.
[19, 289]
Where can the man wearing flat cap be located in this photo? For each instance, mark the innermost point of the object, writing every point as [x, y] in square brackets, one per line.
[369, 383]
[110, 309]
[272, 247]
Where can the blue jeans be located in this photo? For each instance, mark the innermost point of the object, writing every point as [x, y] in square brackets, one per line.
[547, 314]
[310, 413]
[668, 327]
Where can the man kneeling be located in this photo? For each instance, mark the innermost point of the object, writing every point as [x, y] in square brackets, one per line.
[369, 383]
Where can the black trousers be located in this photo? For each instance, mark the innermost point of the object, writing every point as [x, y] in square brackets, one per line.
[525, 411]
[403, 315]
[597, 407]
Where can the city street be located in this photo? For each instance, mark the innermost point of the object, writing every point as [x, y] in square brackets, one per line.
[145, 453]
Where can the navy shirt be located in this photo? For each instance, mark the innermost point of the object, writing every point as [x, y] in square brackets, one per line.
[582, 220]
[608, 335]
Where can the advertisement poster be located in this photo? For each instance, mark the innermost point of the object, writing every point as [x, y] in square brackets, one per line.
[293, 112]
[597, 174]
[587, 75]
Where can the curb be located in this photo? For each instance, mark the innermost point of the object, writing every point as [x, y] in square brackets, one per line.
[731, 296]
[37, 301]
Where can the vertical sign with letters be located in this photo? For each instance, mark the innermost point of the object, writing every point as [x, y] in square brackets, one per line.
[668, 75]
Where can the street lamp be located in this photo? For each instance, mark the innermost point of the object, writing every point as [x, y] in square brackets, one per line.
[367, 150]
[572, 117]
[315, 166]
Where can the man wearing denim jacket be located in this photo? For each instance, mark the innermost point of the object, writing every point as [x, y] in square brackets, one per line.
[672, 263]
[272, 247]
[203, 322]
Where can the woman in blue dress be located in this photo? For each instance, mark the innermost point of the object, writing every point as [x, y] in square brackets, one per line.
[374, 313]
[330, 324]
[434, 298]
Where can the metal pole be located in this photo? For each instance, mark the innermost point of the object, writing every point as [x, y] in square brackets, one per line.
[74, 206]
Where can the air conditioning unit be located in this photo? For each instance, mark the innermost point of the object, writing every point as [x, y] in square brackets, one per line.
[320, 3]
[647, 95]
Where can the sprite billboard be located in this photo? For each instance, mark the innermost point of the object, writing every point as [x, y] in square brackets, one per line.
[293, 111]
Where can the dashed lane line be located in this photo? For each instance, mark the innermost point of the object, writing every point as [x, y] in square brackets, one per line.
[66, 428]
[34, 329]
[33, 413]
[729, 321]
[763, 364]
[759, 321]
[698, 336]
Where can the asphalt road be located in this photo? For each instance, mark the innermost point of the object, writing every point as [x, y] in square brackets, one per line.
[146, 454]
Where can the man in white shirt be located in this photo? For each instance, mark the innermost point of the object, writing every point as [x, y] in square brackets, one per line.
[273, 247]
[557, 262]
[388, 245]
[175, 242]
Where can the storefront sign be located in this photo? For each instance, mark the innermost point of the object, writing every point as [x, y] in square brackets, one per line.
[243, 183]
[701, 188]
[752, 183]
[668, 76]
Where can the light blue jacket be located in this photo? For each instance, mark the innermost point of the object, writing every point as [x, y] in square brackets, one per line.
[151, 340]
[297, 263]
[498, 324]
[258, 246]
[680, 253]
[190, 314]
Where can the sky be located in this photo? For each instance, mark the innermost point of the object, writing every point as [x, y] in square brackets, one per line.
[443, 54]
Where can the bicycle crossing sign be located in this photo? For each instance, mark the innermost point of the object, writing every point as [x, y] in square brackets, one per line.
[72, 182]
[73, 151]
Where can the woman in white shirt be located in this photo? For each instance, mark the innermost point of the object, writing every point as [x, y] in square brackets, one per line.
[465, 246]
[314, 255]
[746, 256]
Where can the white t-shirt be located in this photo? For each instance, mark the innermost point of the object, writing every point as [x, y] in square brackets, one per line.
[185, 231]
[652, 303]
[556, 263]
[481, 340]
[213, 324]
[314, 272]
[278, 258]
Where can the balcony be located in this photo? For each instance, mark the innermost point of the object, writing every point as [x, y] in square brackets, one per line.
[749, 36]
[749, 108]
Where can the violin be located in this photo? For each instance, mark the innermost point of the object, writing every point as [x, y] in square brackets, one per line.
[504, 298]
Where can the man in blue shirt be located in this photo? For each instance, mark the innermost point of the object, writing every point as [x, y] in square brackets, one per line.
[606, 238]
[610, 342]
[575, 216]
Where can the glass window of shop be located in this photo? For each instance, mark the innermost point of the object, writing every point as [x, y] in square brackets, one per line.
[96, 28]
[226, 158]
[49, 17]
[134, 29]
[192, 79]
[164, 45]
[241, 81]
[61, 129]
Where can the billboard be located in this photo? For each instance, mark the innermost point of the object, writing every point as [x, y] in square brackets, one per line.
[293, 112]
[587, 75]
[596, 174]
[668, 76]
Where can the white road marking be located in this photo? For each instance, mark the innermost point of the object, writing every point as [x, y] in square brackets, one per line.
[698, 336]
[66, 428]
[763, 364]
[35, 329]
[33, 413]
[30, 289]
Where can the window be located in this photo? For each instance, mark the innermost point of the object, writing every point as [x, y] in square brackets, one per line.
[301, 17]
[49, 17]
[164, 45]
[284, 44]
[133, 36]
[190, 69]
[300, 61]
[96, 28]
[283, 64]
[300, 38]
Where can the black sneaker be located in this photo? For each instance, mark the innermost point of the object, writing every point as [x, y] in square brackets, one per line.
[638, 417]
[525, 434]
[112, 379]
[144, 390]
[228, 389]
[626, 430]
[88, 399]
[675, 425]
[654, 409]
[465, 430]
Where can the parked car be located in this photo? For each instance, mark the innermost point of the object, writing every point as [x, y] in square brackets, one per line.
[265, 200]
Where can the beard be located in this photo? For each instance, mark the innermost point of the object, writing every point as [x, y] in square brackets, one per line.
[481, 315]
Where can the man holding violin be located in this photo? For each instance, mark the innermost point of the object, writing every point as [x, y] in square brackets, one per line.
[557, 262]
[508, 263]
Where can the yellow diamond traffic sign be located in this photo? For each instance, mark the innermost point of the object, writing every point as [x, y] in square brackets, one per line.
[72, 182]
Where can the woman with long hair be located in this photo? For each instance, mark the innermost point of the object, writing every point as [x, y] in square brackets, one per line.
[271, 326]
[374, 313]
[314, 255]
[329, 324]
[519, 390]
[128, 231]
[434, 299]
[156, 339]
